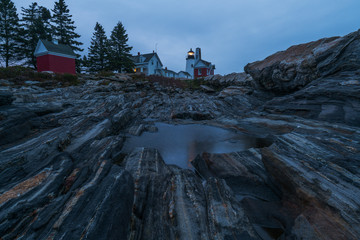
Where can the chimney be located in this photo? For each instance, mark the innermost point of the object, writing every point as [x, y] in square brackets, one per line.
[198, 54]
[138, 53]
[153, 51]
[165, 68]
[55, 41]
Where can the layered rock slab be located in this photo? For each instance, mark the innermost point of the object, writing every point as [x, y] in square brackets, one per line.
[333, 99]
[172, 203]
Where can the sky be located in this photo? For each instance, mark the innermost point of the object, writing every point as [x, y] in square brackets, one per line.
[230, 33]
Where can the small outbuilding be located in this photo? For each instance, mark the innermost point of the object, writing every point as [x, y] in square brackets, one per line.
[54, 57]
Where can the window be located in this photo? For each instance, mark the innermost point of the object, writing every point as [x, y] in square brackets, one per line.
[152, 62]
[199, 71]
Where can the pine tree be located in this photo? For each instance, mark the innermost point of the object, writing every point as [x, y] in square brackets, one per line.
[63, 26]
[98, 50]
[35, 25]
[84, 64]
[9, 23]
[45, 28]
[120, 50]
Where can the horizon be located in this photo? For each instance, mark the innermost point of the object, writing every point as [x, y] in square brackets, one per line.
[229, 37]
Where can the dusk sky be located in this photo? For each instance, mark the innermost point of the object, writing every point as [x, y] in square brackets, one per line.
[230, 33]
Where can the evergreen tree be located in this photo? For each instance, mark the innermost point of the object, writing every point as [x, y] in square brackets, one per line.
[84, 64]
[98, 50]
[120, 50]
[45, 28]
[63, 26]
[9, 23]
[35, 25]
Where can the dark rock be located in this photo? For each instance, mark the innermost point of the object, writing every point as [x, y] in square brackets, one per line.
[316, 183]
[16, 126]
[6, 98]
[206, 89]
[120, 120]
[197, 116]
[232, 79]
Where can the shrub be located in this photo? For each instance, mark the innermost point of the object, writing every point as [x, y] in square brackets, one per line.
[15, 71]
[105, 74]
[42, 76]
[67, 79]
[194, 83]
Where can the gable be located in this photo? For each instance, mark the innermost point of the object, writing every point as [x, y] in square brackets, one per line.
[203, 64]
[145, 58]
[40, 49]
[156, 59]
[200, 64]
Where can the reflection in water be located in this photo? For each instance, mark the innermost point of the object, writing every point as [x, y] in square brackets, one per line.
[179, 144]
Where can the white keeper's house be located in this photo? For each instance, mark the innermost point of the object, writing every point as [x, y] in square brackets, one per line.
[150, 64]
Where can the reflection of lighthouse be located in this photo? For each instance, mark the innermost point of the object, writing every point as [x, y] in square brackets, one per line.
[190, 61]
[199, 146]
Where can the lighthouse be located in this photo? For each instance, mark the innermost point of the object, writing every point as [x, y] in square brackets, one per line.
[196, 66]
[190, 62]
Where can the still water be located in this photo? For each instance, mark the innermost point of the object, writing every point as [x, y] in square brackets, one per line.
[179, 144]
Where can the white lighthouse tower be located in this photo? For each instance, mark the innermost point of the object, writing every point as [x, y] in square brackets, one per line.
[190, 62]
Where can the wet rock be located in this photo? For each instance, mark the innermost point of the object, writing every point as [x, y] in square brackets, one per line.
[172, 203]
[139, 129]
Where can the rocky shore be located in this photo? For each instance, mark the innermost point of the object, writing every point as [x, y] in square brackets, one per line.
[63, 174]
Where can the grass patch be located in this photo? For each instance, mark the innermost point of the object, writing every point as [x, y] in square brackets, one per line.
[19, 75]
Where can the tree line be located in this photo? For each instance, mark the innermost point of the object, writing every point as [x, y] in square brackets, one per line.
[19, 37]
[111, 54]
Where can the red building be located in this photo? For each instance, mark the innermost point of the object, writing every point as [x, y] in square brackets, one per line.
[54, 57]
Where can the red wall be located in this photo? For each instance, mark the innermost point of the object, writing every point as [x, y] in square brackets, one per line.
[56, 64]
[203, 72]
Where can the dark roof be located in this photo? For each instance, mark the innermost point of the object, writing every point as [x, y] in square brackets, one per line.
[148, 56]
[186, 73]
[58, 48]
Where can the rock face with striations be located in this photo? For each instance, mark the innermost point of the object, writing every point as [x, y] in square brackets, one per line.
[294, 68]
[64, 174]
